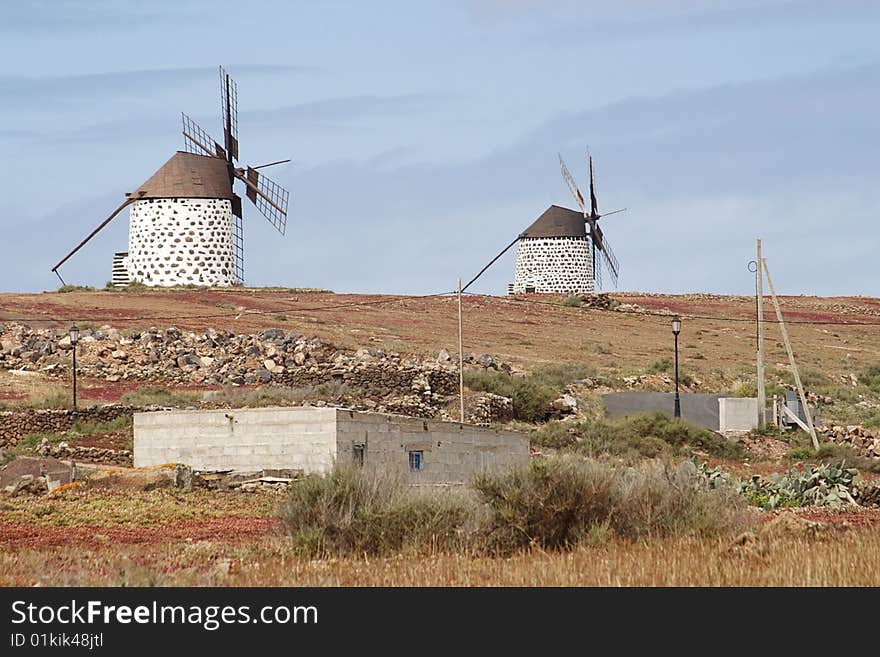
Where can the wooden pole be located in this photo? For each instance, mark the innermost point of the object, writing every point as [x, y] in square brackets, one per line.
[794, 369]
[762, 393]
[460, 358]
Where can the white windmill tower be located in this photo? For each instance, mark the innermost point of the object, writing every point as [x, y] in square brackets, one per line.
[185, 221]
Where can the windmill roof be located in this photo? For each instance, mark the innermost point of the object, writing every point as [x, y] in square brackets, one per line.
[557, 222]
[187, 175]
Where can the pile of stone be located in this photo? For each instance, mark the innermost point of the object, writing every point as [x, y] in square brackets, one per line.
[862, 440]
[219, 357]
[63, 450]
[488, 408]
[34, 476]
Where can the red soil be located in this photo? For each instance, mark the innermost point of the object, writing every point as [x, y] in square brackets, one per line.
[229, 529]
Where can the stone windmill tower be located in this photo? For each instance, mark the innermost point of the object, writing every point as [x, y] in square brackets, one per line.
[558, 253]
[185, 221]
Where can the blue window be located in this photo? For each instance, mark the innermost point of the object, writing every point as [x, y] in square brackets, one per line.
[415, 460]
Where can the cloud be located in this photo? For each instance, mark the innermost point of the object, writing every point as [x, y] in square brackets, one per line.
[24, 91]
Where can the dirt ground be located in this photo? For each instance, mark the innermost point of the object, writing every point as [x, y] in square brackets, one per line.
[835, 335]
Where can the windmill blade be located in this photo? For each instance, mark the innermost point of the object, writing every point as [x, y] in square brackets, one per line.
[198, 142]
[572, 186]
[269, 197]
[597, 268]
[594, 205]
[610, 261]
[93, 233]
[229, 112]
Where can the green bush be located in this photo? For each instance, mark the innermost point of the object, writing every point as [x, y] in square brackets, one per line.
[636, 436]
[572, 301]
[367, 511]
[558, 503]
[662, 366]
[870, 376]
[75, 288]
[531, 401]
[531, 394]
[560, 375]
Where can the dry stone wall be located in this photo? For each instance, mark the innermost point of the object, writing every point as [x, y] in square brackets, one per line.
[16, 424]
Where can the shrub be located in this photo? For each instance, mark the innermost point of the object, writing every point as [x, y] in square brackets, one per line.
[557, 503]
[531, 400]
[572, 301]
[560, 375]
[532, 394]
[662, 366]
[75, 288]
[870, 376]
[357, 511]
[158, 396]
[637, 436]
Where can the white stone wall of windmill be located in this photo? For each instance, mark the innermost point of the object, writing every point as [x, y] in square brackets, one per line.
[185, 221]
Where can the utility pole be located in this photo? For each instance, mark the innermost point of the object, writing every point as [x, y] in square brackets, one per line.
[460, 358]
[794, 369]
[762, 393]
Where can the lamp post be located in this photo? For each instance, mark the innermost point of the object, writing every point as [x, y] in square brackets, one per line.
[74, 338]
[676, 329]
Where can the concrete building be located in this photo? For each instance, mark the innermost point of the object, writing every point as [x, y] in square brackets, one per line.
[313, 439]
[554, 255]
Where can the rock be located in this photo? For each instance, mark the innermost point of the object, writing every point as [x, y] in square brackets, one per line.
[299, 358]
[443, 356]
[119, 355]
[205, 361]
[487, 361]
[565, 404]
[262, 376]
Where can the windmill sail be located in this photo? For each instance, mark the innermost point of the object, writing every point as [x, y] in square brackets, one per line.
[270, 198]
[197, 140]
[229, 112]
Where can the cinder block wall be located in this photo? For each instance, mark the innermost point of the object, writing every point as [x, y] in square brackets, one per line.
[451, 452]
[246, 440]
[737, 413]
[312, 439]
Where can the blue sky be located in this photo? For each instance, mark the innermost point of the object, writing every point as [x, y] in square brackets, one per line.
[424, 134]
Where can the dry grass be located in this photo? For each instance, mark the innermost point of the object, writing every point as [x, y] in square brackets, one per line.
[844, 560]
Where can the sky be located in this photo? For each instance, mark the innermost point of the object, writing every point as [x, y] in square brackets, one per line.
[424, 135]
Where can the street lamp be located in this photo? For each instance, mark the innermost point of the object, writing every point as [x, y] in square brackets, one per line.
[74, 338]
[676, 329]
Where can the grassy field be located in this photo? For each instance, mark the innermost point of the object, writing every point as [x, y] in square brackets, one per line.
[99, 537]
[217, 549]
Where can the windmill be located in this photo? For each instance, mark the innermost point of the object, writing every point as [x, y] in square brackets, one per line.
[557, 254]
[186, 220]
[597, 238]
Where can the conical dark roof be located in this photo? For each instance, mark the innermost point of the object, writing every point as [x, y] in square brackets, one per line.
[557, 222]
[187, 175]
